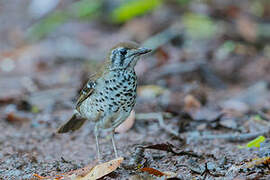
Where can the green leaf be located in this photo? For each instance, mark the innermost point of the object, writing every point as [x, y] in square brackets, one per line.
[225, 49]
[47, 25]
[35, 109]
[131, 9]
[85, 8]
[257, 8]
[199, 26]
[256, 142]
[79, 9]
[257, 117]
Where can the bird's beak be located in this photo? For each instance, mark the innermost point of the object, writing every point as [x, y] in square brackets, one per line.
[141, 51]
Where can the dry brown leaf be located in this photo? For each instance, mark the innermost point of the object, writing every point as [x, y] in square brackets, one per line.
[15, 118]
[99, 170]
[169, 148]
[127, 124]
[82, 171]
[89, 172]
[158, 173]
[152, 171]
[258, 161]
[57, 177]
[191, 103]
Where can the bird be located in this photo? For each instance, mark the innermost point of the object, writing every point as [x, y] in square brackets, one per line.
[109, 95]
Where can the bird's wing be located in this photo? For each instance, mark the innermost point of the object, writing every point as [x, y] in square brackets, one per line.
[86, 91]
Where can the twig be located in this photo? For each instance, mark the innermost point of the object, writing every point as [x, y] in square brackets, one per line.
[174, 68]
[165, 36]
[190, 154]
[228, 137]
[235, 137]
[170, 148]
[208, 172]
[186, 67]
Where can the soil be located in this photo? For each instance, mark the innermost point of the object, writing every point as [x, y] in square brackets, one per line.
[214, 100]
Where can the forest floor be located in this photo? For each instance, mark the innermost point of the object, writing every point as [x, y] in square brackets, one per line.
[201, 101]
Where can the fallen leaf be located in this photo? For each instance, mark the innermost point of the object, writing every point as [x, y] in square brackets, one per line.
[89, 172]
[58, 177]
[82, 171]
[191, 103]
[158, 173]
[7, 100]
[15, 118]
[169, 148]
[163, 147]
[256, 142]
[256, 162]
[100, 170]
[152, 171]
[39, 177]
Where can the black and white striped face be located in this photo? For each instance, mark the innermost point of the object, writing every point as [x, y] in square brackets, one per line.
[122, 57]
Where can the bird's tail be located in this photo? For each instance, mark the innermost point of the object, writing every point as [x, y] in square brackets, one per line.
[75, 122]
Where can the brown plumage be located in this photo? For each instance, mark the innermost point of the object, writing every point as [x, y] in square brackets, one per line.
[75, 122]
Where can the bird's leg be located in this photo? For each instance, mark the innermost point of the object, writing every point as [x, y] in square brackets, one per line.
[114, 146]
[96, 132]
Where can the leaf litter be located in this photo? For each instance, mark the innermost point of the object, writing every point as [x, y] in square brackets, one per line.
[203, 91]
[89, 172]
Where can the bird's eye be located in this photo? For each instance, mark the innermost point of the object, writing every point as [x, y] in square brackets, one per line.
[123, 52]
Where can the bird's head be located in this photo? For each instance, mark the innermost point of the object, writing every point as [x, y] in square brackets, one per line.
[125, 55]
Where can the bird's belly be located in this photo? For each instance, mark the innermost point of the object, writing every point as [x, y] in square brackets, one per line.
[109, 106]
[117, 111]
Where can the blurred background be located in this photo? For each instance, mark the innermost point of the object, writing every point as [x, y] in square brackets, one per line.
[209, 58]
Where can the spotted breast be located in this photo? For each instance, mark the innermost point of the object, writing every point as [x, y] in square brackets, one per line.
[113, 99]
